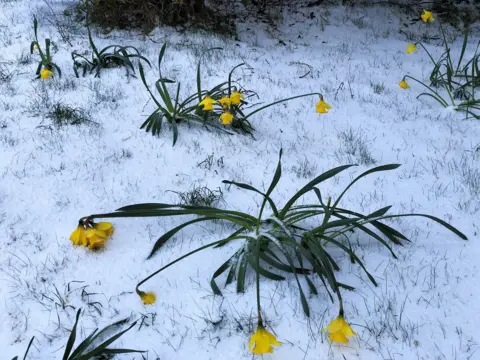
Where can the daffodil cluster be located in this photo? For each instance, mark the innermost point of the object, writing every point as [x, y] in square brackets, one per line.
[228, 106]
[91, 235]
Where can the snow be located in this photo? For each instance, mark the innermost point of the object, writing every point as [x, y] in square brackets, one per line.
[426, 305]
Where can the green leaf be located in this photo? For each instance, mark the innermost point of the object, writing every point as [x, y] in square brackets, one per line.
[326, 175]
[352, 255]
[103, 346]
[251, 188]
[227, 264]
[71, 338]
[242, 269]
[441, 222]
[268, 274]
[165, 237]
[368, 172]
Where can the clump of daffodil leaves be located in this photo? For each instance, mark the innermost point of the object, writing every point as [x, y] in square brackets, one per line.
[46, 67]
[94, 346]
[109, 56]
[221, 107]
[281, 244]
[460, 82]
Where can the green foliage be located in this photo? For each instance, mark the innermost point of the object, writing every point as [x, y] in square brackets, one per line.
[45, 56]
[283, 244]
[110, 56]
[174, 111]
[94, 345]
[460, 81]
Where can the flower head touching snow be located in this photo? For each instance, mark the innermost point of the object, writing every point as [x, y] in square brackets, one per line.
[148, 298]
[91, 235]
[339, 330]
[411, 48]
[78, 236]
[261, 341]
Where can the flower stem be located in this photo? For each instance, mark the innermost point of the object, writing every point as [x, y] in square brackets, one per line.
[179, 259]
[278, 102]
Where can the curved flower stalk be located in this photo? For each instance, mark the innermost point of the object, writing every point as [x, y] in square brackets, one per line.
[279, 244]
[460, 82]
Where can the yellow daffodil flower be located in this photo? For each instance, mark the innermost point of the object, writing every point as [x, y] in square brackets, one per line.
[261, 341]
[207, 103]
[339, 329]
[411, 48]
[92, 237]
[78, 236]
[427, 16]
[403, 84]
[226, 118]
[45, 73]
[96, 238]
[322, 107]
[225, 102]
[104, 226]
[236, 98]
[148, 298]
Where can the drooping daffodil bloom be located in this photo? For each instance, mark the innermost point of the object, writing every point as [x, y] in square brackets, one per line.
[261, 341]
[411, 48]
[403, 84]
[148, 298]
[45, 73]
[339, 330]
[322, 107]
[427, 16]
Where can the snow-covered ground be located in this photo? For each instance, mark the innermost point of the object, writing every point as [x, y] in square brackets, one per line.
[426, 305]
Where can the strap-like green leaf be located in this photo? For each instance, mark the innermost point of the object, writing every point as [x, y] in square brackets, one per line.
[242, 269]
[326, 175]
[72, 336]
[370, 171]
[103, 346]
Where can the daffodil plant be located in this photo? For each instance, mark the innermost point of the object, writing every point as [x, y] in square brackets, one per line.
[221, 106]
[46, 67]
[460, 82]
[94, 346]
[110, 56]
[280, 243]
